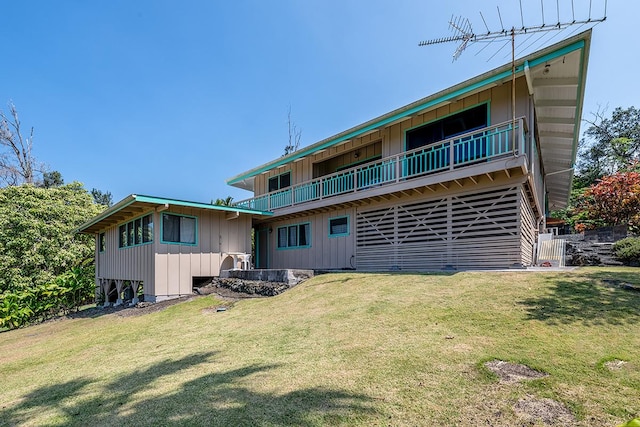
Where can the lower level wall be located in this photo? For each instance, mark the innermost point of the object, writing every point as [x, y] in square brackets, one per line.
[477, 230]
[321, 252]
[175, 272]
[492, 228]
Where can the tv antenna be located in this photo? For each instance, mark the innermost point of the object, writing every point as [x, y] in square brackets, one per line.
[463, 33]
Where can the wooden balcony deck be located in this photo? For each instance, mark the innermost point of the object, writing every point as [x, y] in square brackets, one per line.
[452, 158]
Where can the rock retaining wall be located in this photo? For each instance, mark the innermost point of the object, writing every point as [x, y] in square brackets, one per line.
[289, 276]
[587, 252]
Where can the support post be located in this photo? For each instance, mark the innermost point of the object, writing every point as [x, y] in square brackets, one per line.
[119, 284]
[106, 284]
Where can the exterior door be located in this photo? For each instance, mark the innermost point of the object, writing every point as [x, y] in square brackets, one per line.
[262, 248]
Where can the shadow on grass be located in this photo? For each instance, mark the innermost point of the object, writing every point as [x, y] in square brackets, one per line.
[225, 398]
[594, 298]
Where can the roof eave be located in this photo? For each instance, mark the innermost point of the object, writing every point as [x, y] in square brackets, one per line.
[107, 213]
[481, 82]
[87, 227]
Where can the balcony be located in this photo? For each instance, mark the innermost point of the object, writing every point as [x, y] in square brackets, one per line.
[479, 146]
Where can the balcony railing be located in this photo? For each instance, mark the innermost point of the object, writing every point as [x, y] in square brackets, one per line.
[470, 148]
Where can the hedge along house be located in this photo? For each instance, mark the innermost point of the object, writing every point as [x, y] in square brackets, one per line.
[156, 246]
[448, 182]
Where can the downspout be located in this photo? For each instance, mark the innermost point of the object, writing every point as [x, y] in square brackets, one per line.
[529, 79]
[532, 130]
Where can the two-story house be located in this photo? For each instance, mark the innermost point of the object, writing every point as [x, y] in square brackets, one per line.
[459, 179]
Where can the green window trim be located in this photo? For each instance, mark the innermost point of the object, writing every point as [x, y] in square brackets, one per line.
[280, 182]
[136, 232]
[178, 232]
[294, 236]
[446, 116]
[339, 226]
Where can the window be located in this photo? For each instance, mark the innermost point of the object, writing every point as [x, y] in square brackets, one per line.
[455, 124]
[122, 236]
[294, 236]
[179, 229]
[279, 182]
[339, 226]
[102, 244]
[130, 233]
[137, 225]
[136, 232]
[147, 229]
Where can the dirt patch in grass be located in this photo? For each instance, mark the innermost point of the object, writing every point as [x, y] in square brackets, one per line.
[513, 372]
[615, 365]
[547, 411]
[226, 289]
[125, 311]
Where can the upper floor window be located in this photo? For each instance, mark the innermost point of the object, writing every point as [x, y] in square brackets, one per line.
[136, 232]
[279, 182]
[448, 127]
[102, 245]
[180, 229]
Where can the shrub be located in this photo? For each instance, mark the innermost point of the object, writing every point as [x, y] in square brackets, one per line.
[65, 293]
[628, 250]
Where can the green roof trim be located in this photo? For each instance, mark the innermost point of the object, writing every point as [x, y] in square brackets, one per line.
[451, 93]
[107, 213]
[133, 198]
[198, 205]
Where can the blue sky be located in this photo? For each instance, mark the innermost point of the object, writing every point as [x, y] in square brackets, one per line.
[170, 98]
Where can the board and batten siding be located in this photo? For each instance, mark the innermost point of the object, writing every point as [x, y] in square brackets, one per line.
[529, 230]
[177, 264]
[392, 137]
[130, 263]
[324, 252]
[474, 230]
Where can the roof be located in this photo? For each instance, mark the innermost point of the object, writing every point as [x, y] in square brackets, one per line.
[558, 91]
[137, 204]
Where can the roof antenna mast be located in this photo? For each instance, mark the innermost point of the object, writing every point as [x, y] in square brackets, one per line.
[464, 34]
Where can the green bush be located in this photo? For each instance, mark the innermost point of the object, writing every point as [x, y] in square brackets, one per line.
[65, 293]
[628, 250]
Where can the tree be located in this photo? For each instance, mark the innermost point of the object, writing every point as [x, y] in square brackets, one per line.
[570, 215]
[52, 179]
[223, 202]
[609, 145]
[614, 200]
[17, 164]
[294, 135]
[102, 198]
[37, 239]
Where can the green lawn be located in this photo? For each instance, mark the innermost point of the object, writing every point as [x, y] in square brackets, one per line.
[340, 349]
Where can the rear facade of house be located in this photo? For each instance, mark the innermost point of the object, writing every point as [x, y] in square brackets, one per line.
[457, 180]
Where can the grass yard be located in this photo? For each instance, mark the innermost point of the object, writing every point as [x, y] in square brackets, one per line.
[342, 349]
